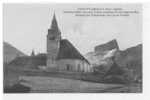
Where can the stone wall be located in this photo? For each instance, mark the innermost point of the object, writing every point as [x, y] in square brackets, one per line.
[73, 65]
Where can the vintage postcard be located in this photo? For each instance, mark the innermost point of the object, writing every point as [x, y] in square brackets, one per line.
[72, 48]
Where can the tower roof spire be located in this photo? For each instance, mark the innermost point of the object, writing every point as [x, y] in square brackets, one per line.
[54, 24]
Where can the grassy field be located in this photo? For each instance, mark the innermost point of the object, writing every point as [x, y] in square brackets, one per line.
[61, 85]
[62, 82]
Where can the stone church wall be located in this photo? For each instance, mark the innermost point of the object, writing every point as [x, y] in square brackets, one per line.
[73, 65]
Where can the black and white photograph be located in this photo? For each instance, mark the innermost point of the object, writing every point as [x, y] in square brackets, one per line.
[72, 48]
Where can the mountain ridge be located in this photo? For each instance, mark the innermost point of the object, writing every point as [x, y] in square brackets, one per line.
[10, 52]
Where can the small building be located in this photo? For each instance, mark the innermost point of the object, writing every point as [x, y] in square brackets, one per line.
[29, 62]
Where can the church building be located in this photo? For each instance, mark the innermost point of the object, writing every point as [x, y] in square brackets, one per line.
[61, 54]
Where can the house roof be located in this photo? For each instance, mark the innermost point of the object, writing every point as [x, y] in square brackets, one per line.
[38, 60]
[68, 51]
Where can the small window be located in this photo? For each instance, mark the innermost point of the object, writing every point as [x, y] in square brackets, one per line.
[79, 67]
[68, 67]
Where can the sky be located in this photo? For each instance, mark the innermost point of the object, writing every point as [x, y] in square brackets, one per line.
[25, 26]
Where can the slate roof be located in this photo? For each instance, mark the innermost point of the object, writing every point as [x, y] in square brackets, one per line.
[68, 51]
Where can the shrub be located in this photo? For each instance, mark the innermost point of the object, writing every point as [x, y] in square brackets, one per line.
[17, 88]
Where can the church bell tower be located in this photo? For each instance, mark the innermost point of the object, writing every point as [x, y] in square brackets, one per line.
[53, 42]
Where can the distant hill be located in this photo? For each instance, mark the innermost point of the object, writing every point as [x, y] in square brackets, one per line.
[102, 53]
[10, 52]
[131, 58]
